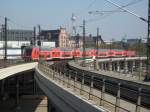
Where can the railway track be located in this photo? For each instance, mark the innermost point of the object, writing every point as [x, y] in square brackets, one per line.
[127, 92]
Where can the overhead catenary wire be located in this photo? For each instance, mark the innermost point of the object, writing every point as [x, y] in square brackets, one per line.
[85, 9]
[17, 24]
[20, 25]
[115, 10]
[128, 11]
[108, 13]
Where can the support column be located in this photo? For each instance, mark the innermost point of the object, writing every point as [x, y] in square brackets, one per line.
[136, 65]
[53, 73]
[82, 84]
[105, 66]
[125, 66]
[2, 87]
[103, 94]
[91, 88]
[114, 66]
[17, 94]
[75, 80]
[133, 66]
[64, 77]
[69, 78]
[59, 76]
[138, 105]
[102, 66]
[140, 72]
[117, 105]
[118, 66]
[110, 66]
[130, 66]
[97, 65]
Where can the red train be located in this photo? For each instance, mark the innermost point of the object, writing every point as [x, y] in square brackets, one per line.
[33, 53]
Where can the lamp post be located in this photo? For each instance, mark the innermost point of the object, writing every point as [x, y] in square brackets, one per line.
[5, 30]
[125, 47]
[96, 61]
[39, 42]
[76, 44]
[83, 43]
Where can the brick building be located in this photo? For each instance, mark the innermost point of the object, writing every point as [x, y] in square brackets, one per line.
[59, 36]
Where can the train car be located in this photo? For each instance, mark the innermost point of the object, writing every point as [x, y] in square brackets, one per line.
[56, 53]
[111, 53]
[34, 53]
[118, 53]
[76, 53]
[45, 53]
[130, 53]
[66, 53]
[30, 53]
[102, 53]
[91, 52]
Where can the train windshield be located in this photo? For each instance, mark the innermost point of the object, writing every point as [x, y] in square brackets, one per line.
[28, 51]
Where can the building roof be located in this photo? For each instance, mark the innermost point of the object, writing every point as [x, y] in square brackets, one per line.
[52, 32]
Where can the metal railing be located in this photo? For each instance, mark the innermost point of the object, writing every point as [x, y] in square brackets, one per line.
[71, 81]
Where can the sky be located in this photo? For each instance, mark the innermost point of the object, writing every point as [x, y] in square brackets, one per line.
[51, 14]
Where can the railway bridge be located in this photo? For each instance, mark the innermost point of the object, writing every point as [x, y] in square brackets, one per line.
[110, 86]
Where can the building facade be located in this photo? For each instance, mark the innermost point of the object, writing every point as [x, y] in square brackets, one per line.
[60, 37]
[17, 35]
[63, 38]
[16, 38]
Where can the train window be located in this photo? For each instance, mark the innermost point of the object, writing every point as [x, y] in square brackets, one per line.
[119, 54]
[28, 51]
[56, 53]
[66, 55]
[102, 54]
[110, 53]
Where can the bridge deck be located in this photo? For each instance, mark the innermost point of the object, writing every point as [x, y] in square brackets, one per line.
[9, 71]
[126, 77]
[121, 59]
